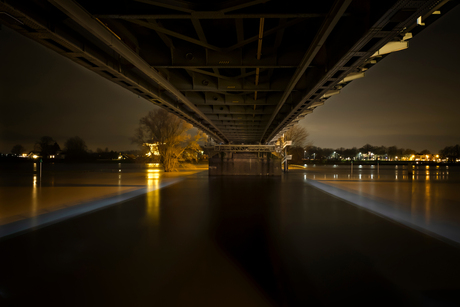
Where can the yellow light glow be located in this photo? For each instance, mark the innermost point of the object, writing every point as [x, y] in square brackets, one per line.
[35, 156]
[153, 176]
[153, 198]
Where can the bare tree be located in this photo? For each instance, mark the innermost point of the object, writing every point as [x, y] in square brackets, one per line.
[298, 135]
[18, 150]
[75, 147]
[45, 146]
[169, 133]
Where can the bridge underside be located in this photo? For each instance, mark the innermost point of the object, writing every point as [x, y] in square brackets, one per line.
[241, 71]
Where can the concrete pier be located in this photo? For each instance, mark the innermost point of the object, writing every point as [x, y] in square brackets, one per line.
[245, 163]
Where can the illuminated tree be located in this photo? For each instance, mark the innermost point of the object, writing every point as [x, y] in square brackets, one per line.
[298, 135]
[169, 132]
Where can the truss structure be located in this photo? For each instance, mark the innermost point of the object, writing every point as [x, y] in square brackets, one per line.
[241, 71]
[245, 148]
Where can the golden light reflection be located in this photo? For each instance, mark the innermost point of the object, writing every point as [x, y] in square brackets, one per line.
[427, 202]
[34, 197]
[413, 201]
[153, 176]
[153, 195]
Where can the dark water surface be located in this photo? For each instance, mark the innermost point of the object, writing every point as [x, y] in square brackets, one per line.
[228, 241]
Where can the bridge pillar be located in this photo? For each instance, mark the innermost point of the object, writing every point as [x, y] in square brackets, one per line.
[244, 160]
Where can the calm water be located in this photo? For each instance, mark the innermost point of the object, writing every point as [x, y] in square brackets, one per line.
[385, 172]
[25, 192]
[312, 237]
[428, 200]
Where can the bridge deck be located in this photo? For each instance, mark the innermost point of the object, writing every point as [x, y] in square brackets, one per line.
[228, 242]
[243, 72]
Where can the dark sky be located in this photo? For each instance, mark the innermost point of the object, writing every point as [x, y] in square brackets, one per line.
[409, 99]
[43, 93]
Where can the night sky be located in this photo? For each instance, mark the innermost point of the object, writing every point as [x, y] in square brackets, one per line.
[409, 99]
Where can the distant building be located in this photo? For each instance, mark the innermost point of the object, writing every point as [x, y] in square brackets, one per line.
[153, 149]
[425, 158]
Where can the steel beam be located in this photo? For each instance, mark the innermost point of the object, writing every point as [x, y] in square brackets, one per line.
[329, 23]
[216, 15]
[169, 4]
[79, 15]
[172, 33]
[245, 148]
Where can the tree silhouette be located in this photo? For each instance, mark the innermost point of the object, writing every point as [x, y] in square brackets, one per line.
[75, 147]
[18, 149]
[45, 146]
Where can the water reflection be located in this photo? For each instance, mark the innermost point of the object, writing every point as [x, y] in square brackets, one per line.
[153, 195]
[428, 200]
[379, 172]
[34, 201]
[426, 197]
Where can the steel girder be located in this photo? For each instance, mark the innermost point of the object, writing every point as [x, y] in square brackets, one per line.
[241, 71]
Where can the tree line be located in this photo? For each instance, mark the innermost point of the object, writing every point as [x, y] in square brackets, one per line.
[367, 151]
[301, 149]
[168, 136]
[47, 147]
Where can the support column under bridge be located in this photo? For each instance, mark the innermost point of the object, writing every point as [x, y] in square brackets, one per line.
[259, 160]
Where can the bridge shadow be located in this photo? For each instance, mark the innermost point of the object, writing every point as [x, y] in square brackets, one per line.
[293, 260]
[241, 210]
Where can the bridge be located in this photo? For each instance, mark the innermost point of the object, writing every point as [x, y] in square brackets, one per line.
[241, 71]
